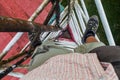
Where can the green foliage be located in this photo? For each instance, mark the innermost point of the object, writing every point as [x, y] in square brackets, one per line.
[112, 10]
[92, 10]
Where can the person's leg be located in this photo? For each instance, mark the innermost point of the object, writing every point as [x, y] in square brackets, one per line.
[89, 40]
[116, 66]
[91, 29]
[44, 52]
[109, 54]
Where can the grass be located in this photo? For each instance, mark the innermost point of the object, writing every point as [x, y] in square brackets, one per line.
[112, 10]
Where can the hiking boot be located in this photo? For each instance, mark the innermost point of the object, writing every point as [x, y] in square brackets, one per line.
[91, 28]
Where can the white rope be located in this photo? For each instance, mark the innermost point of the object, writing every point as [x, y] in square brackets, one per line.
[84, 8]
[77, 6]
[77, 30]
[62, 16]
[80, 19]
[81, 15]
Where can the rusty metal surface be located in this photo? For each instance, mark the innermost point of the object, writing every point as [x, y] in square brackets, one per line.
[8, 24]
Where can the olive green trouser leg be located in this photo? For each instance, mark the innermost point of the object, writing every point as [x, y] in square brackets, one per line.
[86, 48]
[45, 52]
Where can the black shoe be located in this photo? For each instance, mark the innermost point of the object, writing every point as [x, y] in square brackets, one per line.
[91, 28]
